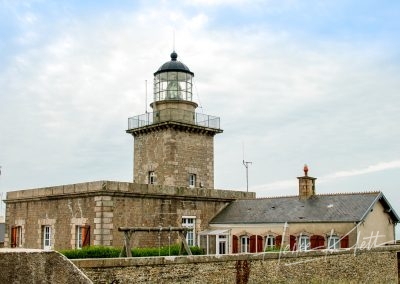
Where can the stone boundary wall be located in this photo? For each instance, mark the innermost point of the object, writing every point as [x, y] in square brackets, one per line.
[126, 188]
[378, 265]
[38, 266]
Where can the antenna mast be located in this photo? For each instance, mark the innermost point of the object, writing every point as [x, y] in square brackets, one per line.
[173, 41]
[246, 165]
[146, 95]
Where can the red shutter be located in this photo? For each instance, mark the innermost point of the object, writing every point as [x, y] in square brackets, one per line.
[344, 242]
[317, 242]
[235, 244]
[313, 241]
[292, 242]
[259, 244]
[278, 241]
[253, 243]
[86, 236]
[321, 242]
[13, 237]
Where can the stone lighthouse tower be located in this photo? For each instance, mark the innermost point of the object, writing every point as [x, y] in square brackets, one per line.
[174, 145]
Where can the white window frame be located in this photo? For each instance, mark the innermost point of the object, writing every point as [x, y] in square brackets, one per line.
[190, 222]
[304, 243]
[244, 244]
[78, 239]
[152, 177]
[333, 242]
[222, 241]
[47, 232]
[192, 180]
[269, 241]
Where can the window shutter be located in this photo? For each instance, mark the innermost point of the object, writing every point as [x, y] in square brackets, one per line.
[278, 241]
[235, 244]
[260, 244]
[321, 242]
[252, 240]
[314, 241]
[13, 237]
[86, 236]
[292, 242]
[344, 242]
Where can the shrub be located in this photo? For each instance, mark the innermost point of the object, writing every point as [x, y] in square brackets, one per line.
[92, 252]
[109, 252]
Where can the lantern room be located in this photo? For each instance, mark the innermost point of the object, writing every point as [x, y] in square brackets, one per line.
[173, 81]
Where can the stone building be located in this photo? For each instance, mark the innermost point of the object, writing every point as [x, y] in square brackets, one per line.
[173, 181]
[307, 221]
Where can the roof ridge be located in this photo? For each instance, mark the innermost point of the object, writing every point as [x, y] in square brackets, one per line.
[349, 193]
[321, 194]
[282, 196]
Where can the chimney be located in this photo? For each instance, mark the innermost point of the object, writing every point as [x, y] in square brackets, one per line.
[306, 185]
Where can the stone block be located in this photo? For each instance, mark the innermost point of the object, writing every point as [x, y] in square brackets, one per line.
[81, 187]
[69, 189]
[95, 186]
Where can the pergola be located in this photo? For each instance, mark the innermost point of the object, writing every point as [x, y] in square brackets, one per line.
[128, 232]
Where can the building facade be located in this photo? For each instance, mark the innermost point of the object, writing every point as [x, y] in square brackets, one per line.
[303, 222]
[76, 215]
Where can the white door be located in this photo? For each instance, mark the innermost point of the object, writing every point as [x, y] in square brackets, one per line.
[221, 244]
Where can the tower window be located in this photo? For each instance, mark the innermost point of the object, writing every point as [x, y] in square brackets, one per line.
[192, 180]
[152, 177]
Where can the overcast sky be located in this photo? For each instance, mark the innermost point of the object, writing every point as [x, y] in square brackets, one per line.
[295, 82]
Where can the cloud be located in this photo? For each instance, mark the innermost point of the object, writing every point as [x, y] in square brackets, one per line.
[289, 186]
[383, 166]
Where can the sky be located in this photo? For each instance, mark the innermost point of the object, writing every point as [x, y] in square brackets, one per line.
[294, 83]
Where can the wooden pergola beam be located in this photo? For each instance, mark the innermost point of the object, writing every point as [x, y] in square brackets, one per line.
[128, 231]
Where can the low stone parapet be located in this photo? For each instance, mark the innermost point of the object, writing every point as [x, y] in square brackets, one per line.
[38, 266]
[378, 265]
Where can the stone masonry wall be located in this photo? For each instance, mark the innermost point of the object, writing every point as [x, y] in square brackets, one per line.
[105, 206]
[377, 265]
[173, 155]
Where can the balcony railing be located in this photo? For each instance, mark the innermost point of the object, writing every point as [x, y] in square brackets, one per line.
[177, 115]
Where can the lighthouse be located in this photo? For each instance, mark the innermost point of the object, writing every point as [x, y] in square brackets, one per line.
[173, 144]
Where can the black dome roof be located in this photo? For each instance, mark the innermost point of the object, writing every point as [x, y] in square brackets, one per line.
[173, 65]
